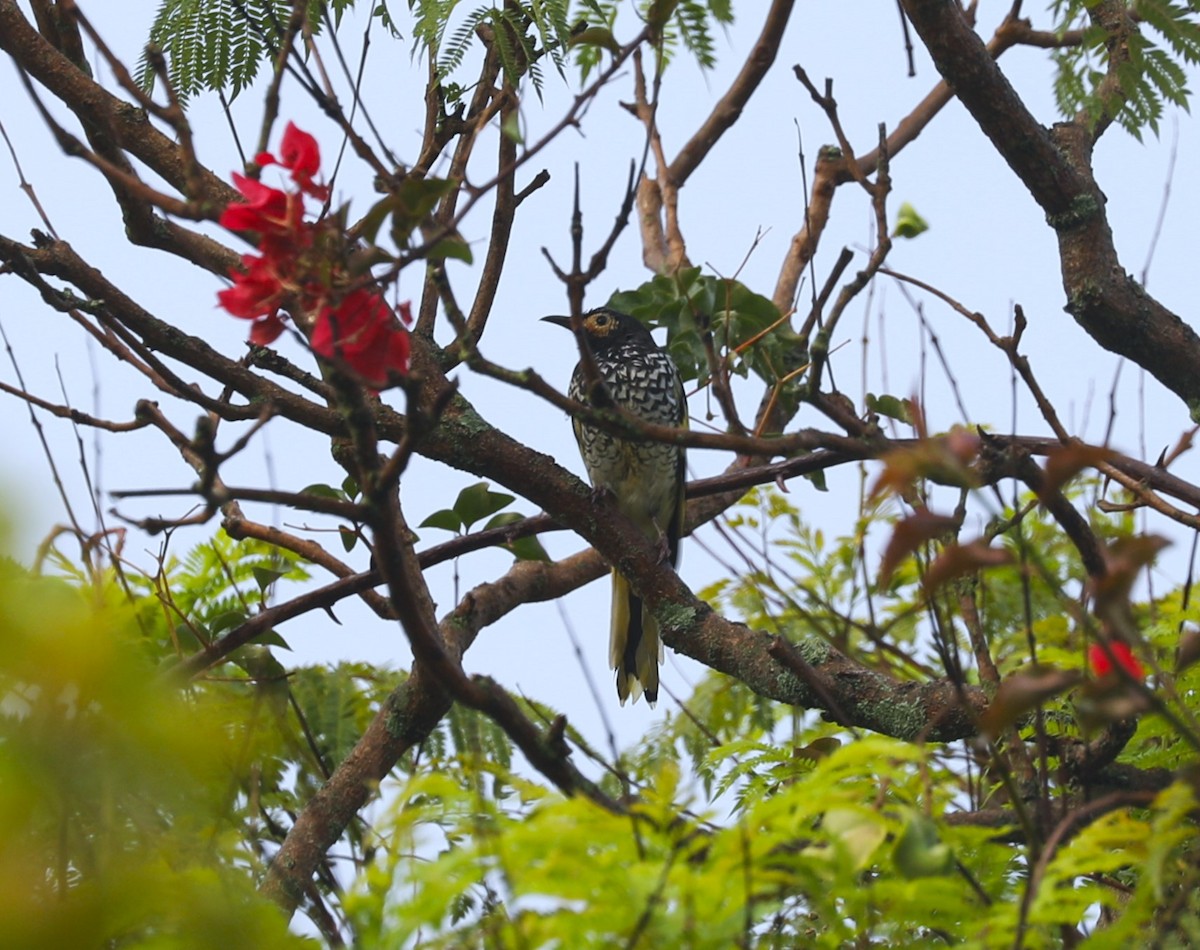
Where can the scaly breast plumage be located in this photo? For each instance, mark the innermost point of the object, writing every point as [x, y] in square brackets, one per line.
[642, 475]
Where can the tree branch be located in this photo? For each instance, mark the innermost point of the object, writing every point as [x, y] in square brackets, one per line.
[1055, 166]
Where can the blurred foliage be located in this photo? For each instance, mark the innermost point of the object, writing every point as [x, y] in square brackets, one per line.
[119, 822]
[750, 823]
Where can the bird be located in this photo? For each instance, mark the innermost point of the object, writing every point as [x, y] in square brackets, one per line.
[645, 478]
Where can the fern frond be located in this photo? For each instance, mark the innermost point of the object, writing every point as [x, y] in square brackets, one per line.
[1153, 75]
[222, 44]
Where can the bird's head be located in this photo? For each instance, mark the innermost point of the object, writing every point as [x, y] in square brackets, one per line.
[606, 329]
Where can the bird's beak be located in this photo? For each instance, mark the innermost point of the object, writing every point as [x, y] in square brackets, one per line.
[559, 321]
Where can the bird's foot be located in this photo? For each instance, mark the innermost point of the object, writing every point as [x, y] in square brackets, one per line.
[664, 549]
[600, 493]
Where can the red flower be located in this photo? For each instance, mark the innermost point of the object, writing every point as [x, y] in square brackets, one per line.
[266, 330]
[363, 333]
[1101, 665]
[300, 154]
[297, 264]
[256, 292]
[265, 210]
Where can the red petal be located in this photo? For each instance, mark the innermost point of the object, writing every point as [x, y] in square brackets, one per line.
[299, 151]
[256, 291]
[302, 155]
[266, 330]
[264, 209]
[398, 352]
[363, 334]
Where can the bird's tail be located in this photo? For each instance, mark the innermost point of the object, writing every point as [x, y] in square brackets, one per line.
[634, 648]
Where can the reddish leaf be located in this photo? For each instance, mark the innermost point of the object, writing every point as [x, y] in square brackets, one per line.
[908, 535]
[1184, 444]
[1102, 701]
[1023, 692]
[1063, 464]
[818, 749]
[1124, 559]
[1189, 649]
[945, 459]
[959, 559]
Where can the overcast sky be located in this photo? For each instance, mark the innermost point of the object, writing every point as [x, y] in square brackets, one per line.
[988, 246]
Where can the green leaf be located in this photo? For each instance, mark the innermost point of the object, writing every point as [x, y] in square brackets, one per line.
[659, 12]
[744, 328]
[350, 486]
[502, 519]
[477, 502]
[856, 830]
[225, 621]
[265, 576]
[524, 549]
[186, 638]
[451, 248]
[528, 549]
[818, 480]
[446, 519]
[908, 223]
[408, 206]
[510, 128]
[919, 851]
[349, 538]
[271, 637]
[596, 36]
[890, 406]
[323, 491]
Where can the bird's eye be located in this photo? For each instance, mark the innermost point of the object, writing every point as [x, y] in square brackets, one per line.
[602, 319]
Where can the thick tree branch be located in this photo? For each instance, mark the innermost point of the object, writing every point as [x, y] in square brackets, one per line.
[83, 96]
[1056, 167]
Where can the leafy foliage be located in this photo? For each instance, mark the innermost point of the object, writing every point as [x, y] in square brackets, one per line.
[522, 34]
[116, 787]
[1147, 61]
[694, 20]
[476, 502]
[843, 847]
[525, 33]
[788, 831]
[213, 589]
[750, 824]
[222, 44]
[718, 319]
